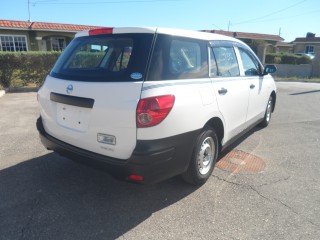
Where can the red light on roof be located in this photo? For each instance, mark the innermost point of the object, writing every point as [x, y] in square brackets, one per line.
[99, 31]
[136, 178]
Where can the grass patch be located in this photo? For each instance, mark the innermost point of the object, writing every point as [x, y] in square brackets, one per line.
[18, 83]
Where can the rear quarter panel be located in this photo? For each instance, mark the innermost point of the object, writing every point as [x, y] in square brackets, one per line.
[195, 104]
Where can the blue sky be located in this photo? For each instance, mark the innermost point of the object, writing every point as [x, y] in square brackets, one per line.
[292, 18]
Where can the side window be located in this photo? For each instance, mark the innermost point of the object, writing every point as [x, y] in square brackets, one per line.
[213, 64]
[178, 58]
[226, 61]
[250, 65]
[123, 59]
[184, 57]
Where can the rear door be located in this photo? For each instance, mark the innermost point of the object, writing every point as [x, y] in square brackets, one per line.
[230, 88]
[89, 99]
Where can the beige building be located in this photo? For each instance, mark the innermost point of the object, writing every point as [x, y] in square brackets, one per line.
[306, 45]
[283, 47]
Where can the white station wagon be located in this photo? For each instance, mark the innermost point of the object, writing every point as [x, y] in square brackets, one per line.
[148, 104]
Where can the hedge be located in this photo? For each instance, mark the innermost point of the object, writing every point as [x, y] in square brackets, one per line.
[287, 58]
[29, 67]
[87, 59]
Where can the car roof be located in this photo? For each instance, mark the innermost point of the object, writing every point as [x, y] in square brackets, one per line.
[168, 31]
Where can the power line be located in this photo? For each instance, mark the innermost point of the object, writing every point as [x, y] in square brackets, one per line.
[270, 14]
[217, 26]
[288, 17]
[99, 2]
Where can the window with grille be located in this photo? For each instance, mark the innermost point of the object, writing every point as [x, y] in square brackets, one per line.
[11, 43]
[58, 44]
[309, 50]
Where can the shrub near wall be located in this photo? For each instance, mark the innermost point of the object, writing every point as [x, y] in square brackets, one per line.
[35, 66]
[29, 67]
[9, 62]
[287, 58]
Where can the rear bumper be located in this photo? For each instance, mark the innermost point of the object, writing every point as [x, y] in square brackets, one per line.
[155, 160]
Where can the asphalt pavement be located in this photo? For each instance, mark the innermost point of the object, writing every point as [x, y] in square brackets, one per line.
[46, 196]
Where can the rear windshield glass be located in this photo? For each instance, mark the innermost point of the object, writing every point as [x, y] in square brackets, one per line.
[121, 57]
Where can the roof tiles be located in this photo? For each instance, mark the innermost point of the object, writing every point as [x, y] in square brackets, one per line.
[9, 24]
[14, 24]
[307, 39]
[240, 35]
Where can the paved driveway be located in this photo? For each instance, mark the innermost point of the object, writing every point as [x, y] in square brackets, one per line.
[268, 187]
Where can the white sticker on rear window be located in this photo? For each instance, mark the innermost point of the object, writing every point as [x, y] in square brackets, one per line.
[136, 75]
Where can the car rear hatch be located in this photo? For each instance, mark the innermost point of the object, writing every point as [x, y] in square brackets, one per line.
[90, 97]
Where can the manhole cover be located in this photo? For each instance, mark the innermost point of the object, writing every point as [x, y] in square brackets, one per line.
[241, 162]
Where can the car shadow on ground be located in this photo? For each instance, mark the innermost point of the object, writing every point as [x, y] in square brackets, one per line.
[53, 197]
[306, 92]
[238, 141]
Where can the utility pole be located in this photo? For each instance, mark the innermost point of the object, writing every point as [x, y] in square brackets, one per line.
[280, 31]
[29, 19]
[229, 23]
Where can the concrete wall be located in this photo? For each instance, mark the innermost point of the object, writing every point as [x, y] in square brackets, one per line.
[301, 71]
[288, 70]
[316, 62]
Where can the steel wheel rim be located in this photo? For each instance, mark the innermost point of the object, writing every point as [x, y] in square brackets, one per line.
[206, 155]
[268, 116]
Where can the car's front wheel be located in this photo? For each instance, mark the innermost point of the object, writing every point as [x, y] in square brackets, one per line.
[267, 116]
[204, 157]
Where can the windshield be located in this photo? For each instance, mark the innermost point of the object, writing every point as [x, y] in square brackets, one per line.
[105, 58]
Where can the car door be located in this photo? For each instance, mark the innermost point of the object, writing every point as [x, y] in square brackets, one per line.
[258, 93]
[230, 88]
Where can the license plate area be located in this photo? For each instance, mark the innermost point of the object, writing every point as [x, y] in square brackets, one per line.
[73, 117]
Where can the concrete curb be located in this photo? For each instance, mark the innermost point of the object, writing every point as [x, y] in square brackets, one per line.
[2, 93]
[18, 90]
[22, 89]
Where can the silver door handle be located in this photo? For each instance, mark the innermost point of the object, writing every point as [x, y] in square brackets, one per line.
[222, 91]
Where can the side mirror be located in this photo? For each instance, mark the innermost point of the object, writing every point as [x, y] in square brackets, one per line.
[269, 69]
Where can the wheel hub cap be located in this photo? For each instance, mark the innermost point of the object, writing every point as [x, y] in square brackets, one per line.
[206, 155]
[268, 111]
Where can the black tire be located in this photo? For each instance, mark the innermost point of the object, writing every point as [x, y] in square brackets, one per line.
[267, 116]
[203, 158]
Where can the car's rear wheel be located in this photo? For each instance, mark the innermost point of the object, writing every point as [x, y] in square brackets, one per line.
[204, 157]
[267, 116]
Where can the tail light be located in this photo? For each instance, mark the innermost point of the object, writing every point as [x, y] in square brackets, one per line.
[152, 111]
